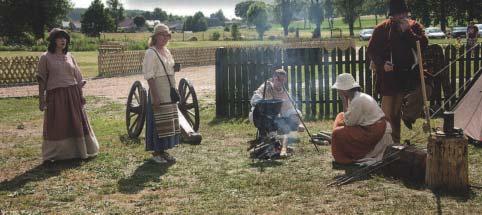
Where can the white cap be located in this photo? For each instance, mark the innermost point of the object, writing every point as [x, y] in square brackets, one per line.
[345, 82]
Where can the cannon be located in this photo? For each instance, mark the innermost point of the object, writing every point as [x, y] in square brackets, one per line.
[188, 110]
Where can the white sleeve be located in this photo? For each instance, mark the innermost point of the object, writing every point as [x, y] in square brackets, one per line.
[354, 113]
[257, 95]
[148, 65]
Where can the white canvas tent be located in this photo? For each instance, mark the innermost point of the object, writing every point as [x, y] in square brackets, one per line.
[468, 112]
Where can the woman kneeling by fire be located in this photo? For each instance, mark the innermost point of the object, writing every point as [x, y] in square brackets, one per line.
[361, 133]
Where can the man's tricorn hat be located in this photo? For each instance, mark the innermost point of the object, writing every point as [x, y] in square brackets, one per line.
[397, 7]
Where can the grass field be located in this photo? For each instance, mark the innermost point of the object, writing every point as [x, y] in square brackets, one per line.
[216, 177]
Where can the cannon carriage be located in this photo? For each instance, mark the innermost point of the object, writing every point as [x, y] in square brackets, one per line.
[188, 110]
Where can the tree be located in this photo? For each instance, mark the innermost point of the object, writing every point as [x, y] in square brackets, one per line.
[139, 21]
[218, 15]
[316, 16]
[420, 10]
[258, 16]
[235, 32]
[283, 13]
[377, 7]
[96, 19]
[441, 12]
[196, 23]
[188, 24]
[200, 22]
[159, 14]
[241, 9]
[116, 11]
[21, 17]
[350, 10]
[329, 12]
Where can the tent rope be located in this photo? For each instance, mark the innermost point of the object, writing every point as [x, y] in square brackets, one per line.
[455, 93]
[454, 61]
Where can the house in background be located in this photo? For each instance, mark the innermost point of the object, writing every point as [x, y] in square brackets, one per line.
[176, 26]
[127, 25]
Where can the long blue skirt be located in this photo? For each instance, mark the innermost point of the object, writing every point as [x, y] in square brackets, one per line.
[153, 142]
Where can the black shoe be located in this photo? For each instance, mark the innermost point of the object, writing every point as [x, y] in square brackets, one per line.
[408, 124]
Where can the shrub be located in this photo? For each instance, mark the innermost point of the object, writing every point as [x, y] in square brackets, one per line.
[192, 39]
[235, 32]
[226, 29]
[215, 37]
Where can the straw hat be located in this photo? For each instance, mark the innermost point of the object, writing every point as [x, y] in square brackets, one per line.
[345, 82]
[57, 31]
[160, 28]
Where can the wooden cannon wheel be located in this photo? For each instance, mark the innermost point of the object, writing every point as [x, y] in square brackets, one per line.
[136, 109]
[189, 105]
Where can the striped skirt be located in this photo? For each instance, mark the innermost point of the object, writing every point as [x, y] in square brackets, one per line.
[162, 127]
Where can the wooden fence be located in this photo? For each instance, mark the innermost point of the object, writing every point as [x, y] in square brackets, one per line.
[312, 72]
[115, 62]
[18, 70]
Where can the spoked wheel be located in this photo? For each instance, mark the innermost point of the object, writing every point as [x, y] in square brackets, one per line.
[136, 110]
[189, 105]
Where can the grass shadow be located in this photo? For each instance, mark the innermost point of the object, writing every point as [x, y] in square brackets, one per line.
[149, 171]
[125, 139]
[220, 120]
[41, 172]
[261, 165]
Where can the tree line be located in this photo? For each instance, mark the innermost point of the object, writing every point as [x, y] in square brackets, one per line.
[18, 28]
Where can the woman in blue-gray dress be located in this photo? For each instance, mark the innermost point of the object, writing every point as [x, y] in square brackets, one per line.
[162, 123]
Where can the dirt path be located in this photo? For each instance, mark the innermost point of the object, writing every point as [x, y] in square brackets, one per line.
[118, 88]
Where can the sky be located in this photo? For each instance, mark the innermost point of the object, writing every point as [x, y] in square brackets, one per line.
[176, 7]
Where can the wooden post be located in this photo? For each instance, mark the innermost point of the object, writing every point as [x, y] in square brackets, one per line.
[447, 166]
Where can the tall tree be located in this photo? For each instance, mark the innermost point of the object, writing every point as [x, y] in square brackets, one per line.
[421, 10]
[96, 19]
[159, 14]
[20, 17]
[441, 11]
[350, 10]
[329, 12]
[283, 13]
[316, 16]
[219, 15]
[200, 22]
[376, 7]
[116, 11]
[241, 9]
[258, 16]
[196, 23]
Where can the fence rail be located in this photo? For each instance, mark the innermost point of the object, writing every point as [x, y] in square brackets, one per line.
[18, 70]
[312, 71]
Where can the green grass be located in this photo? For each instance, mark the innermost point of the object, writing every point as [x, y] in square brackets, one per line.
[216, 177]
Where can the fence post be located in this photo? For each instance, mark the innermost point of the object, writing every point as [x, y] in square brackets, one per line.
[219, 82]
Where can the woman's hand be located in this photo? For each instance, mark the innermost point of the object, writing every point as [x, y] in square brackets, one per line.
[42, 105]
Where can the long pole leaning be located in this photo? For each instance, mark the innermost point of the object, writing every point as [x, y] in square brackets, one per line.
[301, 120]
[424, 90]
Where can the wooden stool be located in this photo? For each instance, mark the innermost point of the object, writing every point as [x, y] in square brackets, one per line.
[447, 166]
